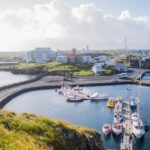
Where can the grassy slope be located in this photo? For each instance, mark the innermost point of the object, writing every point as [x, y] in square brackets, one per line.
[29, 132]
[57, 67]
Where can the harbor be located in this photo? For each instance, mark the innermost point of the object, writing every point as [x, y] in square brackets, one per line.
[88, 113]
[121, 141]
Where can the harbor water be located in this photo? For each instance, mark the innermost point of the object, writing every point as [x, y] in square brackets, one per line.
[7, 78]
[87, 113]
[146, 78]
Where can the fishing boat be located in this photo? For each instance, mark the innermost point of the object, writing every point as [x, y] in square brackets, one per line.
[118, 117]
[133, 103]
[118, 107]
[135, 117]
[117, 128]
[106, 129]
[74, 98]
[138, 128]
[96, 96]
[111, 103]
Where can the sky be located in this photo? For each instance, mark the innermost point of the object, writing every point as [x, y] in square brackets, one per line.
[67, 24]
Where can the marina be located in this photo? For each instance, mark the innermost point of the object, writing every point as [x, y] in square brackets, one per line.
[55, 105]
[78, 94]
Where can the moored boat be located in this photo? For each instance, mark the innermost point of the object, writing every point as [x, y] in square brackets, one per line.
[135, 117]
[133, 103]
[111, 103]
[106, 129]
[138, 128]
[117, 128]
[118, 117]
[74, 99]
[97, 96]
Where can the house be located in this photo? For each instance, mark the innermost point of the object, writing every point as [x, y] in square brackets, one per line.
[100, 59]
[62, 59]
[121, 68]
[86, 59]
[97, 68]
[122, 56]
[40, 55]
[110, 62]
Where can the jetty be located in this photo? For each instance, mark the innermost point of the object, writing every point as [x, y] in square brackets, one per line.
[126, 141]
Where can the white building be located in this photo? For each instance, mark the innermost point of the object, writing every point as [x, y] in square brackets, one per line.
[101, 59]
[123, 56]
[41, 55]
[110, 62]
[86, 59]
[97, 68]
[62, 59]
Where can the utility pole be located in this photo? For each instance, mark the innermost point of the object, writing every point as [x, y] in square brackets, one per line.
[126, 49]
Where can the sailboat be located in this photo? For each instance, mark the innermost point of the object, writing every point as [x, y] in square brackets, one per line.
[137, 124]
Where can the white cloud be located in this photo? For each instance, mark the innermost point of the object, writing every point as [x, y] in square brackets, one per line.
[59, 25]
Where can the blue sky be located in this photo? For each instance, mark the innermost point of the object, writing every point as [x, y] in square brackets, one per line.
[137, 7]
[64, 24]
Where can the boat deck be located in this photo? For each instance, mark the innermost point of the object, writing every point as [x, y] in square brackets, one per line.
[126, 142]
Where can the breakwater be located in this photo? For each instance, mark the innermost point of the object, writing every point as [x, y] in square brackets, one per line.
[41, 82]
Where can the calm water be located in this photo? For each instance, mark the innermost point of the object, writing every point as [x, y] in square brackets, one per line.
[146, 77]
[87, 113]
[7, 78]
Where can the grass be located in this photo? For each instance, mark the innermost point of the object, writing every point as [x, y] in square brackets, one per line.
[84, 73]
[30, 132]
[56, 68]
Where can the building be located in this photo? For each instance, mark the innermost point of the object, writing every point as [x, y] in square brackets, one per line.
[101, 59]
[62, 59]
[41, 55]
[97, 68]
[86, 59]
[121, 68]
[110, 62]
[123, 56]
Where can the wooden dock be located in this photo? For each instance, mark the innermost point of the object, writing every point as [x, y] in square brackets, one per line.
[126, 141]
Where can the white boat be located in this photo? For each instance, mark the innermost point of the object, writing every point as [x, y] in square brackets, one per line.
[74, 98]
[106, 129]
[77, 88]
[96, 96]
[117, 128]
[118, 107]
[138, 128]
[135, 116]
[118, 117]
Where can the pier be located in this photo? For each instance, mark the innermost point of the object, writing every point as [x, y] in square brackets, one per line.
[126, 141]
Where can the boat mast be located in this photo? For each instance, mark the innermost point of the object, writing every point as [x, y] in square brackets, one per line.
[138, 108]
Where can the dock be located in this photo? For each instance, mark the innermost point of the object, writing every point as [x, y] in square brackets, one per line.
[126, 141]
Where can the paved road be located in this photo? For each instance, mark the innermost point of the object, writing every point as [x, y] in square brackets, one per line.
[56, 81]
